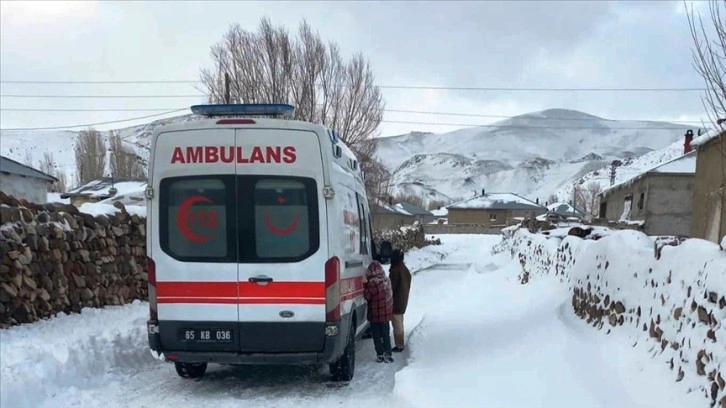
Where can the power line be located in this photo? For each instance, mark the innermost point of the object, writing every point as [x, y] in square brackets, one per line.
[102, 96]
[385, 110]
[412, 87]
[389, 121]
[95, 124]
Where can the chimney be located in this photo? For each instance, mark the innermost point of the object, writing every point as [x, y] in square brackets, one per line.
[537, 200]
[687, 148]
[483, 191]
[390, 200]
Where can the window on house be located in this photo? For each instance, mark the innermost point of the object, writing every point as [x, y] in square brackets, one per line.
[492, 217]
[641, 201]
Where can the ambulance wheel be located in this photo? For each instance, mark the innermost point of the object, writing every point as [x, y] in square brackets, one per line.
[190, 370]
[344, 368]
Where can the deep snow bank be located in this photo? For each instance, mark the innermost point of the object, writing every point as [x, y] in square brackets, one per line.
[76, 350]
[675, 303]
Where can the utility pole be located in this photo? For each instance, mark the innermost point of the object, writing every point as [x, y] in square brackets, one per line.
[226, 87]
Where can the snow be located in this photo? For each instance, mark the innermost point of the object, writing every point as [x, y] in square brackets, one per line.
[495, 201]
[55, 198]
[98, 188]
[476, 337]
[622, 267]
[440, 212]
[681, 165]
[108, 209]
[706, 137]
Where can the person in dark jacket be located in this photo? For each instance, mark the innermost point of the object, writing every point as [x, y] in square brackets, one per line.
[379, 295]
[400, 278]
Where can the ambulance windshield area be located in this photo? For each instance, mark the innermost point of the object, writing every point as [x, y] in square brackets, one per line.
[244, 219]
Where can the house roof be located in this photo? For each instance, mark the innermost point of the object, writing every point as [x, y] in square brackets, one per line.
[566, 210]
[497, 201]
[685, 164]
[412, 209]
[707, 137]
[13, 167]
[100, 187]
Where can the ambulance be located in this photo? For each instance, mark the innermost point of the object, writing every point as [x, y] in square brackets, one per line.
[258, 238]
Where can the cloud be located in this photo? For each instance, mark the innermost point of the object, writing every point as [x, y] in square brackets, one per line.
[43, 13]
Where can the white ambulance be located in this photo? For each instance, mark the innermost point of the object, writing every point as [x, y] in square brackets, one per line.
[258, 238]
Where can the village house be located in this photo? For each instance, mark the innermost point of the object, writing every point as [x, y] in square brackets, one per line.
[661, 199]
[24, 182]
[105, 188]
[387, 217]
[709, 204]
[420, 214]
[493, 209]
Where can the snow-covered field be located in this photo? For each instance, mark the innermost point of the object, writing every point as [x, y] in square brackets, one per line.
[476, 338]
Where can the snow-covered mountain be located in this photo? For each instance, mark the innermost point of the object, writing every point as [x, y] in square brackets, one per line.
[534, 155]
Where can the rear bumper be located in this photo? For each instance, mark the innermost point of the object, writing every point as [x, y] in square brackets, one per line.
[333, 336]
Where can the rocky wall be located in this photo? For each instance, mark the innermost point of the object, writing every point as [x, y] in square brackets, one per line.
[670, 292]
[57, 259]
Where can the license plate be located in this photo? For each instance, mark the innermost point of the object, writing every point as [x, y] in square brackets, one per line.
[206, 335]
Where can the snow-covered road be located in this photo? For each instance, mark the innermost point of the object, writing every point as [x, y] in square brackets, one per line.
[477, 338]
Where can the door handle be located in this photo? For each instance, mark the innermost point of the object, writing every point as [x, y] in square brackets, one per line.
[260, 279]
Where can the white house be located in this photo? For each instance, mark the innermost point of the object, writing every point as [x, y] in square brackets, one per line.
[24, 182]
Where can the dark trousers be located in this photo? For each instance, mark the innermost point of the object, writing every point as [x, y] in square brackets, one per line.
[381, 338]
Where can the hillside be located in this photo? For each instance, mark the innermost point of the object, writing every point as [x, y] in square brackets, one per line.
[534, 155]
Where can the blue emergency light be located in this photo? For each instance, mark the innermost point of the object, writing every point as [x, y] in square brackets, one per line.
[244, 109]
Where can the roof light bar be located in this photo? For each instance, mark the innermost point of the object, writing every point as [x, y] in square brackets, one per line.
[245, 109]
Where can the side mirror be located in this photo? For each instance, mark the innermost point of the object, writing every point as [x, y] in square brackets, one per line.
[384, 253]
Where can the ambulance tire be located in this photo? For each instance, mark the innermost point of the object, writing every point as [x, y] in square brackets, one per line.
[190, 370]
[344, 368]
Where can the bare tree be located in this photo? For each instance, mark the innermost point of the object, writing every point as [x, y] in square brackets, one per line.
[552, 199]
[62, 184]
[271, 66]
[586, 199]
[28, 159]
[709, 56]
[436, 204]
[124, 162]
[90, 152]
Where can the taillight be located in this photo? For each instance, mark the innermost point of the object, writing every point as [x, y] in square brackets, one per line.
[235, 122]
[332, 290]
[151, 273]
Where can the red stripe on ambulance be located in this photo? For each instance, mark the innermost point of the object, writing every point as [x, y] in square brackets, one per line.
[298, 293]
[234, 154]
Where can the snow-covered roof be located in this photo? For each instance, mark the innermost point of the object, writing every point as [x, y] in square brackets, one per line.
[496, 201]
[99, 188]
[412, 209]
[379, 206]
[706, 137]
[684, 164]
[565, 209]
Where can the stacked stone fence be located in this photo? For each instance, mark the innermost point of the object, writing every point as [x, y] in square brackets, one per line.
[438, 229]
[670, 289]
[57, 259]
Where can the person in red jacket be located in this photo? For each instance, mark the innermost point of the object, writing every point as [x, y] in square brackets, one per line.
[379, 295]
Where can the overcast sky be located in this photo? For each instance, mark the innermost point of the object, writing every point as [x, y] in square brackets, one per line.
[468, 44]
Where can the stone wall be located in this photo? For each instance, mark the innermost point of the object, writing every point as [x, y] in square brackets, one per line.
[669, 292]
[57, 259]
[435, 229]
[406, 238]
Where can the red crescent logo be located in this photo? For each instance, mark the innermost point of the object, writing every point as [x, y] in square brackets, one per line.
[281, 231]
[183, 216]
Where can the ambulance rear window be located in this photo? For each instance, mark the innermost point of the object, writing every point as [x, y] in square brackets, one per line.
[244, 218]
[282, 218]
[194, 218]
